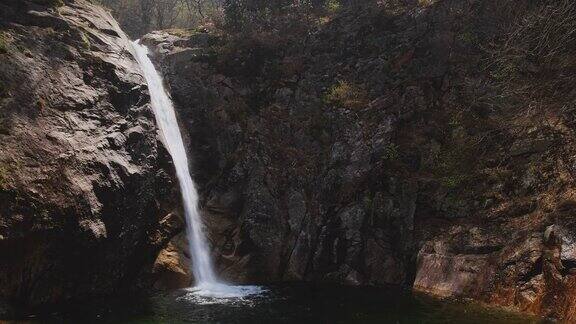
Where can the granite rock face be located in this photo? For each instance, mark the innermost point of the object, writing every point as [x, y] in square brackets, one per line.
[380, 148]
[374, 148]
[86, 191]
[284, 199]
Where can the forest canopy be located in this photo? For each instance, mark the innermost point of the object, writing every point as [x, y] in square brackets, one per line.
[139, 17]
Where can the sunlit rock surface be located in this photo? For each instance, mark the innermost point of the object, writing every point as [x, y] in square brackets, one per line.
[85, 185]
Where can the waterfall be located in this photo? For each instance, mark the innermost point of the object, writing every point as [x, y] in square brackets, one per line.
[207, 283]
[168, 124]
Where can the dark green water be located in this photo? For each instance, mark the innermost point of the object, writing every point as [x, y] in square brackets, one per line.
[298, 304]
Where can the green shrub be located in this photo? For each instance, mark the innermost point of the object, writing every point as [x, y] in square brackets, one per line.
[346, 95]
[333, 5]
[3, 43]
[468, 37]
[390, 152]
[85, 40]
[453, 181]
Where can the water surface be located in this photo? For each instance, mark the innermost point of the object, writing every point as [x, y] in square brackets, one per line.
[301, 304]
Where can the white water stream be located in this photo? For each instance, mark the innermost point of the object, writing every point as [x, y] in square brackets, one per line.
[207, 283]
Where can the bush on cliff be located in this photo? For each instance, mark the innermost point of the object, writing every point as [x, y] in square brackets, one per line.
[347, 95]
[540, 46]
[3, 43]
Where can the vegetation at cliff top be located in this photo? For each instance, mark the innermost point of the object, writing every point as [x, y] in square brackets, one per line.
[139, 17]
[54, 3]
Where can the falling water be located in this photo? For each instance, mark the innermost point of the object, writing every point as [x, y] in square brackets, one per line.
[207, 283]
[168, 124]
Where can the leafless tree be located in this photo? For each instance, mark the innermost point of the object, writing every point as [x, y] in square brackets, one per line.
[196, 6]
[166, 12]
[146, 8]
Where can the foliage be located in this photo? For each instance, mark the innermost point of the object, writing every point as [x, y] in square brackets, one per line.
[540, 45]
[454, 159]
[453, 181]
[139, 17]
[333, 5]
[85, 40]
[250, 13]
[468, 37]
[3, 43]
[346, 95]
[390, 152]
[52, 3]
[255, 13]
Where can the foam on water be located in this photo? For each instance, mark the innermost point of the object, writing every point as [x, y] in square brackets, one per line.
[206, 294]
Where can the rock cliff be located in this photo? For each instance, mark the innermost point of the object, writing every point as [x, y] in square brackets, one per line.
[427, 145]
[86, 193]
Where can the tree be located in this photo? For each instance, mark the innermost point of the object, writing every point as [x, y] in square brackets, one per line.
[167, 11]
[146, 7]
[196, 6]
